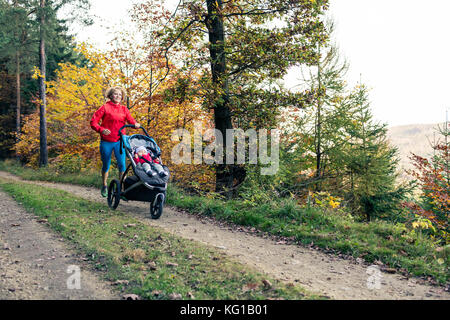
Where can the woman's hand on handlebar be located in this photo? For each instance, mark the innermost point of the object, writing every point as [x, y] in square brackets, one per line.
[137, 125]
[106, 132]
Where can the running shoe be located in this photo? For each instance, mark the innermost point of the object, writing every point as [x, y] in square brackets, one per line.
[104, 191]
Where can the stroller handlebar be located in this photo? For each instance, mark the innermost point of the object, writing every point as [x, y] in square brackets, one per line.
[132, 126]
[129, 126]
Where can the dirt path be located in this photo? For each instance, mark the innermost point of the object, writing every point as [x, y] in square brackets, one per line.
[34, 262]
[318, 272]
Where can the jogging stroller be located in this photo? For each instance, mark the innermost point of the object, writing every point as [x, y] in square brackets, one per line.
[140, 186]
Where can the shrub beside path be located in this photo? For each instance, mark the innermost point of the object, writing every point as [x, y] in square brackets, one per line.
[326, 274]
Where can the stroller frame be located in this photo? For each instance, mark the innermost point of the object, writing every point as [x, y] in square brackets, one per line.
[134, 187]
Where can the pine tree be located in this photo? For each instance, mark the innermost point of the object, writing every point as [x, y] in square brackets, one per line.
[48, 25]
[17, 40]
[318, 133]
[328, 90]
[20, 28]
[43, 151]
[369, 163]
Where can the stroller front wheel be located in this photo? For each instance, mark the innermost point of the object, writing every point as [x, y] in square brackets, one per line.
[156, 207]
[114, 194]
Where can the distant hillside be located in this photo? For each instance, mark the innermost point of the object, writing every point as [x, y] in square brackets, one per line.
[415, 138]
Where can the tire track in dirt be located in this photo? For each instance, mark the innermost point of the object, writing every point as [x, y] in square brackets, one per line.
[314, 270]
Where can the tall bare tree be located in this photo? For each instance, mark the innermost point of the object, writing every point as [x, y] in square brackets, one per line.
[43, 155]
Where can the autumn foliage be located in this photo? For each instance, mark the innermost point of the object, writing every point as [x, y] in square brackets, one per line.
[72, 99]
[79, 90]
[433, 176]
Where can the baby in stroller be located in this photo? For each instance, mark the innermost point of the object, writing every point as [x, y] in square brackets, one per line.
[150, 164]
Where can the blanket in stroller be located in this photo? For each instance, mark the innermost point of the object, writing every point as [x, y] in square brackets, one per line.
[138, 140]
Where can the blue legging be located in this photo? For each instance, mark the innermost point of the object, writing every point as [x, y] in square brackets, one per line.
[106, 149]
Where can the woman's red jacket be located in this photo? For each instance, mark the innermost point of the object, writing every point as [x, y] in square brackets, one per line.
[113, 117]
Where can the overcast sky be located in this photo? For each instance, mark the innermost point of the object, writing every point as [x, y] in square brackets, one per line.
[400, 49]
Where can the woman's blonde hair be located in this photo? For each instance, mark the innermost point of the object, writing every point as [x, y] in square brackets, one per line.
[109, 92]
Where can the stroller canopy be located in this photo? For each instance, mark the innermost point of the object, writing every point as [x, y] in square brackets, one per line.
[138, 140]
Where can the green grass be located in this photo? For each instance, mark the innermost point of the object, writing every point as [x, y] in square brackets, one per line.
[155, 263]
[378, 240]
[85, 178]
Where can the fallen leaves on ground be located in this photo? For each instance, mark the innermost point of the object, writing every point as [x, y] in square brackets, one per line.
[172, 264]
[249, 287]
[267, 284]
[175, 296]
[131, 296]
[152, 265]
[156, 293]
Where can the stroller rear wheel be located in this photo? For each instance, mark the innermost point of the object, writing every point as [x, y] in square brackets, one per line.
[114, 194]
[156, 207]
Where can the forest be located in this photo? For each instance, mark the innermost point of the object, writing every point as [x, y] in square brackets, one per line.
[220, 64]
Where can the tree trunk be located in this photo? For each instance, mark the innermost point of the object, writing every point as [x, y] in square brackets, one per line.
[18, 97]
[149, 109]
[18, 94]
[319, 130]
[222, 115]
[43, 156]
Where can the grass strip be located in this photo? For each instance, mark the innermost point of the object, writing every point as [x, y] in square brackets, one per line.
[51, 174]
[378, 240]
[144, 260]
